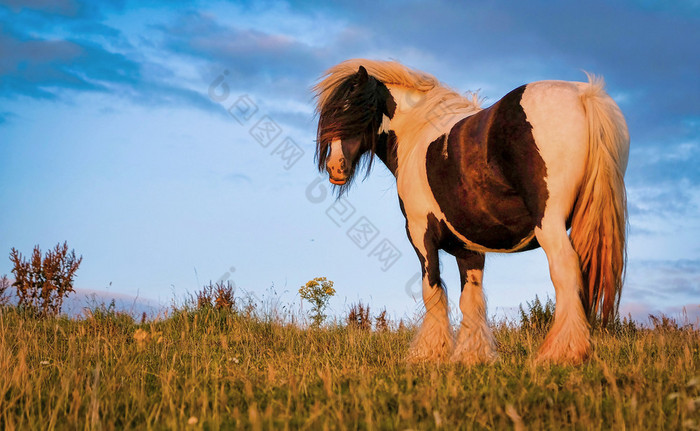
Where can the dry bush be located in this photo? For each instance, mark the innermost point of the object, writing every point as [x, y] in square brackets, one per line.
[219, 296]
[204, 297]
[223, 296]
[538, 315]
[665, 323]
[358, 317]
[43, 283]
[381, 322]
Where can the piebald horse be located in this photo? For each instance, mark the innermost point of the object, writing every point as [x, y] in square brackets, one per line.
[548, 156]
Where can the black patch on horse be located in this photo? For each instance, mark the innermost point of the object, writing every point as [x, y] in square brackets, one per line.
[491, 185]
[387, 152]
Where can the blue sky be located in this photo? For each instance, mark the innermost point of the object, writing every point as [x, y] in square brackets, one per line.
[129, 130]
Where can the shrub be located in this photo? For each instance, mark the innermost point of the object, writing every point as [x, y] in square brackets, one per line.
[358, 317]
[203, 298]
[317, 291]
[381, 322]
[219, 296]
[223, 296]
[43, 283]
[619, 326]
[538, 316]
[665, 323]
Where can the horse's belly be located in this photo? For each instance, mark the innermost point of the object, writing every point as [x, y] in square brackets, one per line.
[491, 219]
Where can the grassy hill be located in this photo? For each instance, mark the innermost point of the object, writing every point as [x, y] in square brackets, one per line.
[203, 368]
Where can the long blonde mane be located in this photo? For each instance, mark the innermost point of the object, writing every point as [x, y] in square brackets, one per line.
[438, 98]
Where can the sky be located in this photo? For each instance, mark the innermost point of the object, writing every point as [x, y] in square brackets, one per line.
[171, 143]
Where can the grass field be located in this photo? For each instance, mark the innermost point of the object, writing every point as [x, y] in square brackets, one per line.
[211, 369]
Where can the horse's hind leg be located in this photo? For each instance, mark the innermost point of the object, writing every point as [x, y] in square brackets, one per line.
[434, 340]
[568, 341]
[475, 343]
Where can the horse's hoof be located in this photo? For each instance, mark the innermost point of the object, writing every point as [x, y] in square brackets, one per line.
[550, 353]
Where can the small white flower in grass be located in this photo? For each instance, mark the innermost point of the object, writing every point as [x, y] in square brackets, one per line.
[234, 359]
[192, 420]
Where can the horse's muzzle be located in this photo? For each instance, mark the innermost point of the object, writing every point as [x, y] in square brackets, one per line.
[338, 171]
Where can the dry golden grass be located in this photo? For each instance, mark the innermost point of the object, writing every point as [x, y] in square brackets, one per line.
[211, 369]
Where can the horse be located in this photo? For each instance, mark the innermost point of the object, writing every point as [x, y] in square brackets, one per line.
[548, 157]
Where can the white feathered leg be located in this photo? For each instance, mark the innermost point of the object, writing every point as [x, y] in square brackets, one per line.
[475, 342]
[568, 341]
[434, 340]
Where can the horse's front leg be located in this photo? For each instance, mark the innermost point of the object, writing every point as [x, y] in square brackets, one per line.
[434, 340]
[475, 343]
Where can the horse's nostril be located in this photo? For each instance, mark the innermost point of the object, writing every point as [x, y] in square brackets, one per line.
[339, 167]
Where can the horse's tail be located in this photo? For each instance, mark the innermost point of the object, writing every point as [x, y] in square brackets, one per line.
[598, 226]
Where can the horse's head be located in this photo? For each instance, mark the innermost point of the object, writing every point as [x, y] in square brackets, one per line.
[350, 123]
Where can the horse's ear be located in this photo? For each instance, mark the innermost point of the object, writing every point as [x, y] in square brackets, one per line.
[362, 76]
